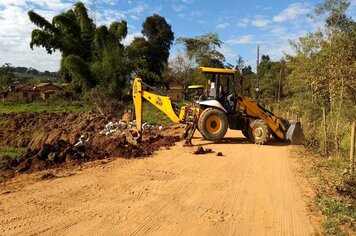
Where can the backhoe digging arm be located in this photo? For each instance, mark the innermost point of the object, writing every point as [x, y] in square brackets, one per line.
[163, 103]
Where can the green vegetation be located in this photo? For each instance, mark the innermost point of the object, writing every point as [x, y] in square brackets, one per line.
[153, 116]
[317, 85]
[337, 213]
[95, 57]
[318, 79]
[203, 50]
[335, 191]
[51, 107]
[8, 155]
[10, 151]
[6, 75]
[323, 78]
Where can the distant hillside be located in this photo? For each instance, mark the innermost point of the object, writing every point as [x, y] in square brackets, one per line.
[33, 71]
[24, 73]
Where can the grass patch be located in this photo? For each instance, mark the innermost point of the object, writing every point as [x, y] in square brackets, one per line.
[51, 107]
[10, 151]
[334, 189]
[153, 116]
[9, 154]
[337, 212]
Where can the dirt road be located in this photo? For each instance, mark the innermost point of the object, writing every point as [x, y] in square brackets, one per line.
[251, 190]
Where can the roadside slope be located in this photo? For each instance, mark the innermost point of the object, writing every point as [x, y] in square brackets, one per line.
[251, 190]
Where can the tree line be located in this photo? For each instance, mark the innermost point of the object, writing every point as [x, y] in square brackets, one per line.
[318, 84]
[95, 57]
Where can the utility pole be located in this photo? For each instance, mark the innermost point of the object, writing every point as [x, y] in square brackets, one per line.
[258, 75]
[279, 90]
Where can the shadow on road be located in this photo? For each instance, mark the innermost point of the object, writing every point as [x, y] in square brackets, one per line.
[239, 140]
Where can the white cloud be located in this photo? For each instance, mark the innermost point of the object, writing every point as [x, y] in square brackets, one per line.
[45, 4]
[130, 37]
[227, 52]
[222, 25]
[196, 14]
[137, 11]
[188, 1]
[15, 31]
[292, 12]
[260, 22]
[108, 16]
[157, 9]
[12, 3]
[111, 2]
[201, 21]
[246, 39]
[278, 31]
[243, 22]
[141, 7]
[178, 7]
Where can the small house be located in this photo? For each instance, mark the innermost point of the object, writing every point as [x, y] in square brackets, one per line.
[46, 90]
[21, 92]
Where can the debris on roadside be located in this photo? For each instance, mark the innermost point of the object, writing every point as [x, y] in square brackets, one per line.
[127, 116]
[111, 127]
[59, 140]
[200, 150]
[48, 176]
[219, 154]
[82, 141]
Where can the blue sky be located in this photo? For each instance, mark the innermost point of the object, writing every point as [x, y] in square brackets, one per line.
[241, 25]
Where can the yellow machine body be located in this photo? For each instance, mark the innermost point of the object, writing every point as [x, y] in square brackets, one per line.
[187, 114]
[246, 114]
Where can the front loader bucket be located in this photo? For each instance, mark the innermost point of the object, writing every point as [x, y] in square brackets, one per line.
[295, 133]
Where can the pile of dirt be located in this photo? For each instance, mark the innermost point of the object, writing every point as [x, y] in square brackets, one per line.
[33, 130]
[50, 140]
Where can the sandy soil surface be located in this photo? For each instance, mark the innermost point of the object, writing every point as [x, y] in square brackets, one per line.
[250, 190]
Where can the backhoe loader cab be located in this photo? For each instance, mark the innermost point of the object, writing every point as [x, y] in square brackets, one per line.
[219, 107]
[223, 108]
[195, 92]
[221, 88]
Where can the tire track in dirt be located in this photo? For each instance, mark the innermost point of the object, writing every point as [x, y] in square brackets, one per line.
[251, 190]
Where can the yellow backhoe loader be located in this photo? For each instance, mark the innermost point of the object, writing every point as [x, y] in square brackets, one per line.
[221, 108]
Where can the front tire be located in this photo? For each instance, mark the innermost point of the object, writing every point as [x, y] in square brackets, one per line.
[213, 124]
[258, 132]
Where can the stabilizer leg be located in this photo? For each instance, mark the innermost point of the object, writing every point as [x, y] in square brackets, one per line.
[189, 133]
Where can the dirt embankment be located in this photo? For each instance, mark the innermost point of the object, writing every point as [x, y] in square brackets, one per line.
[50, 140]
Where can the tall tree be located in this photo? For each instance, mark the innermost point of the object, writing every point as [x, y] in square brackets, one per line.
[324, 70]
[90, 56]
[203, 50]
[181, 70]
[149, 54]
[6, 75]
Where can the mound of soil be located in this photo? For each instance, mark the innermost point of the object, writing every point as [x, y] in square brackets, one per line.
[50, 140]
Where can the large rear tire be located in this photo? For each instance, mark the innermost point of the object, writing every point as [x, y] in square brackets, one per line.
[213, 124]
[258, 132]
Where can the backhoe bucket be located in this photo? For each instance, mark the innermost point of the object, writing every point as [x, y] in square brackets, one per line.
[295, 133]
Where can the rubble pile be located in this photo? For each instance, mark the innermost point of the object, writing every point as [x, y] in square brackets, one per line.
[54, 140]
